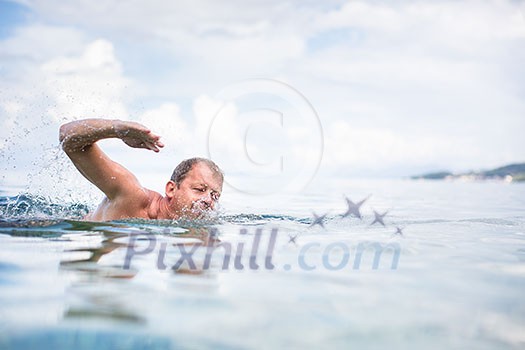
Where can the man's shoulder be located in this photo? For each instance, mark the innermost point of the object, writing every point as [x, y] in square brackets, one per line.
[152, 196]
[140, 203]
[143, 196]
[138, 198]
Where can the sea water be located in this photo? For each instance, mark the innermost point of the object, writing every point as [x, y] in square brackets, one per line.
[446, 271]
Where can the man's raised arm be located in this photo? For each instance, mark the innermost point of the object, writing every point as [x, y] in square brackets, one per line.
[79, 139]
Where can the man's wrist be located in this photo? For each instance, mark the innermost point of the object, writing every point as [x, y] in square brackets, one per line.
[119, 128]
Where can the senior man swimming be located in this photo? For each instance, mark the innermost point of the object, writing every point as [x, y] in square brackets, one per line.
[194, 188]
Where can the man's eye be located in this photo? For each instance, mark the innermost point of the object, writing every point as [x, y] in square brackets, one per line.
[200, 189]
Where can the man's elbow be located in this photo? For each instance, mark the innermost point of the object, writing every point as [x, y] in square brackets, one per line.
[64, 136]
[62, 133]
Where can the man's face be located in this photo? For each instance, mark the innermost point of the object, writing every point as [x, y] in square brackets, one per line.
[199, 192]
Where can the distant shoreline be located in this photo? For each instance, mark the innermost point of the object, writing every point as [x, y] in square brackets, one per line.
[507, 173]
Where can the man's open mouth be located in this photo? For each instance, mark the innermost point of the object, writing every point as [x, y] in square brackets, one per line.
[200, 208]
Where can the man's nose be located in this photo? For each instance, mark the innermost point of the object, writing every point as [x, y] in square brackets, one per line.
[208, 201]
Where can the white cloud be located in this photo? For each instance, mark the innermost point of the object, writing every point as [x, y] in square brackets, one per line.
[52, 74]
[217, 133]
[38, 42]
[88, 85]
[356, 147]
[167, 122]
[444, 23]
[425, 82]
[228, 34]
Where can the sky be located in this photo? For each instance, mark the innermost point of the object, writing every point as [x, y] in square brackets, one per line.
[276, 91]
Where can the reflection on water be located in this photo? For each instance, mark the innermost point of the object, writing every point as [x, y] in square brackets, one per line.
[93, 242]
[97, 304]
[459, 283]
[86, 267]
[86, 339]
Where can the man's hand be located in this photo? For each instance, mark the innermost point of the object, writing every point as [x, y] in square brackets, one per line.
[138, 136]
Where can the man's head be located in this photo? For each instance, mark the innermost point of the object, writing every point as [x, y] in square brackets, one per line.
[195, 187]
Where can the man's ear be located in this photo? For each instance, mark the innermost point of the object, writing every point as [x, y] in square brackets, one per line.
[170, 189]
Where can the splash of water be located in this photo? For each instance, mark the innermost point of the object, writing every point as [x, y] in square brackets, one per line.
[27, 206]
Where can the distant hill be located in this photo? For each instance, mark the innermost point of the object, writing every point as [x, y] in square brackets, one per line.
[511, 172]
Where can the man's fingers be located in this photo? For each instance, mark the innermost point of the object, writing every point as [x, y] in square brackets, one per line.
[152, 146]
[145, 139]
[153, 136]
[155, 141]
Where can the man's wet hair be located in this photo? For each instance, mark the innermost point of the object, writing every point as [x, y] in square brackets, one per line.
[184, 167]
